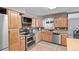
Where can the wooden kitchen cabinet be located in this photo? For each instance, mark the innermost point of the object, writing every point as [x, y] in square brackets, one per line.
[42, 34]
[39, 23]
[57, 22]
[38, 37]
[61, 21]
[46, 36]
[64, 39]
[14, 25]
[33, 22]
[14, 41]
[13, 19]
[64, 22]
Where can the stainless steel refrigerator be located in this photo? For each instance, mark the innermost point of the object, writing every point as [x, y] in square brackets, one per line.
[3, 32]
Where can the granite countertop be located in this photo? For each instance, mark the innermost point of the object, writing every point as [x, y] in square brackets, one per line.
[56, 31]
[60, 31]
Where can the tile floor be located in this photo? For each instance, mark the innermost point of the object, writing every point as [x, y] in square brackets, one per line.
[45, 46]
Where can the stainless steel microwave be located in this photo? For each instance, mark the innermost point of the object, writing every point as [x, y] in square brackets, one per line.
[26, 20]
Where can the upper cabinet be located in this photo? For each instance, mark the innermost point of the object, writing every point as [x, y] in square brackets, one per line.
[37, 23]
[33, 22]
[14, 19]
[61, 21]
[40, 23]
[58, 21]
[64, 21]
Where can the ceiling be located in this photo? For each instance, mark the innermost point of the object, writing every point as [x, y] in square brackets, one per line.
[41, 11]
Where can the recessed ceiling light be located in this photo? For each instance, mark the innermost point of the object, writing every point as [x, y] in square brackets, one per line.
[51, 7]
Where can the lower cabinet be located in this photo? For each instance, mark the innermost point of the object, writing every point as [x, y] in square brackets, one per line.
[38, 37]
[48, 36]
[64, 39]
[14, 41]
[45, 36]
[14, 47]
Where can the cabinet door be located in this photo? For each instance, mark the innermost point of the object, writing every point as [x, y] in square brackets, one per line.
[37, 23]
[60, 21]
[33, 22]
[13, 19]
[57, 22]
[63, 39]
[40, 23]
[46, 36]
[64, 22]
[41, 36]
[38, 37]
[14, 42]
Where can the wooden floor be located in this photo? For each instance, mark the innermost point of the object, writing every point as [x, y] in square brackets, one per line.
[45, 46]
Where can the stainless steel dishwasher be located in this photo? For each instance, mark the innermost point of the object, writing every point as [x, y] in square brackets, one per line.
[57, 38]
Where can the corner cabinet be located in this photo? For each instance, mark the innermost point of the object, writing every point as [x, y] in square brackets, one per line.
[14, 24]
[45, 36]
[48, 36]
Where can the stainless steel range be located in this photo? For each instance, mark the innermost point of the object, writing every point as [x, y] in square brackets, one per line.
[29, 40]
